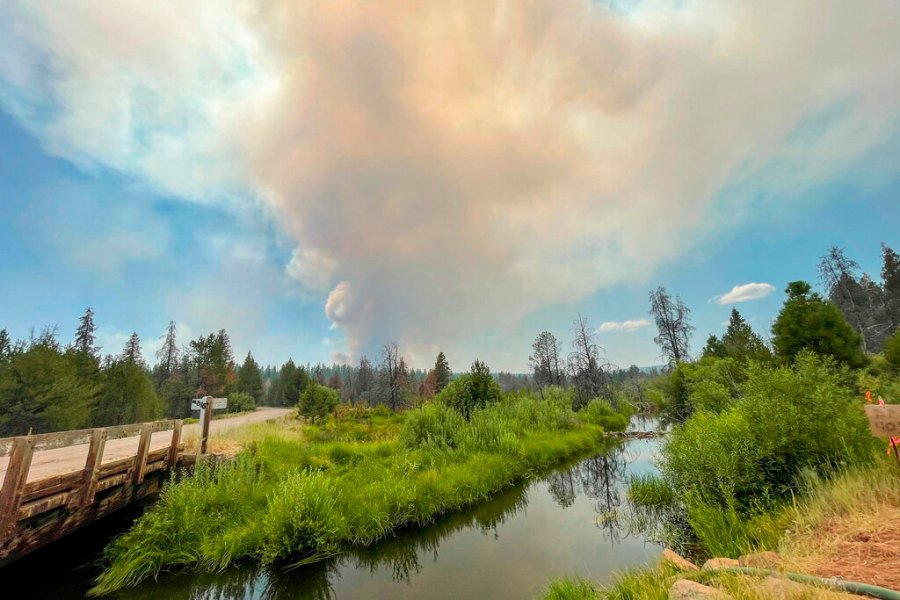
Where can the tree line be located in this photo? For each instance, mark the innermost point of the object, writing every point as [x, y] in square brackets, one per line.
[48, 386]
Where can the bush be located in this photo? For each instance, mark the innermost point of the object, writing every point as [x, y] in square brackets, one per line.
[470, 391]
[317, 401]
[788, 419]
[892, 351]
[600, 412]
[241, 402]
[432, 425]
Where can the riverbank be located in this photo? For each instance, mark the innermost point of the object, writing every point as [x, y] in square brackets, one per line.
[846, 527]
[302, 493]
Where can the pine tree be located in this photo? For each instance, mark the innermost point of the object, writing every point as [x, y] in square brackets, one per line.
[132, 351]
[890, 283]
[85, 335]
[6, 348]
[442, 372]
[741, 342]
[808, 322]
[249, 379]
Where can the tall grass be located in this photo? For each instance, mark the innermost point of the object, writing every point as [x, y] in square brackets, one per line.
[348, 482]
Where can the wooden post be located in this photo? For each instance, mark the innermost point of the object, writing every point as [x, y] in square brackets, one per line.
[140, 460]
[896, 451]
[14, 483]
[92, 467]
[173, 448]
[207, 417]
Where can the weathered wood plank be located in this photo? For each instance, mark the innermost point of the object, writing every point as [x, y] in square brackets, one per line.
[61, 439]
[140, 460]
[46, 504]
[14, 483]
[91, 474]
[51, 485]
[176, 441]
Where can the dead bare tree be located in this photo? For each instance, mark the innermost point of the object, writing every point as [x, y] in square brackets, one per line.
[673, 322]
[589, 371]
[545, 361]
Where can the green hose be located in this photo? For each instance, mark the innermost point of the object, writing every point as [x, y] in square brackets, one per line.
[854, 587]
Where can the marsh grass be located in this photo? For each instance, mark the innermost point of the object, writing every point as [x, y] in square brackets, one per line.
[303, 493]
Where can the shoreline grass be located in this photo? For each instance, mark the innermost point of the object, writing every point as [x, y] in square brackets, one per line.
[816, 534]
[303, 493]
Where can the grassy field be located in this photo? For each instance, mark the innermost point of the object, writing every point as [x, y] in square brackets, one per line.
[300, 493]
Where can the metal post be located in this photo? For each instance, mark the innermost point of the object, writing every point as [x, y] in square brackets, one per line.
[206, 417]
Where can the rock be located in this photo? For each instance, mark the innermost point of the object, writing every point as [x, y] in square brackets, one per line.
[684, 589]
[720, 563]
[761, 560]
[680, 562]
[782, 588]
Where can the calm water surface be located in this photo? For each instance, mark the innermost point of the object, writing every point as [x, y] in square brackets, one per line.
[573, 521]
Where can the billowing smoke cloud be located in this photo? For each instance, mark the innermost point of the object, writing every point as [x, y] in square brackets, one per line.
[447, 168]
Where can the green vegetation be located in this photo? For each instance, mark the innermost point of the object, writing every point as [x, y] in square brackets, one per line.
[241, 402]
[756, 429]
[317, 402]
[471, 391]
[808, 322]
[305, 492]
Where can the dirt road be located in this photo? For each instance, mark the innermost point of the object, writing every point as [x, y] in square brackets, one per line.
[60, 461]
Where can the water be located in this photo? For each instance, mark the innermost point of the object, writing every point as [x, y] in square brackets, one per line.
[572, 521]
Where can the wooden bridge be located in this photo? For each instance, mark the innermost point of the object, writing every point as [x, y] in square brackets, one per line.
[40, 506]
[55, 483]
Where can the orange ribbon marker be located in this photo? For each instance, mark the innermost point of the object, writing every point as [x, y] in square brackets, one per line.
[869, 396]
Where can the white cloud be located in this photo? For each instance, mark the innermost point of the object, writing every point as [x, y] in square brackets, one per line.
[459, 166]
[630, 325]
[745, 292]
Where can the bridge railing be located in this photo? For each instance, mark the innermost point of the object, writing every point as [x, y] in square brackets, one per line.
[21, 499]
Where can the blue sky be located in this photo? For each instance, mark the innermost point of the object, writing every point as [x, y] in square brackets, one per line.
[324, 186]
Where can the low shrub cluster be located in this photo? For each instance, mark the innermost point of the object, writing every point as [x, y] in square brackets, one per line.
[726, 470]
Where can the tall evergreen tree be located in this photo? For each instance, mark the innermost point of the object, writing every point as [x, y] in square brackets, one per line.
[128, 395]
[250, 379]
[890, 282]
[741, 342]
[442, 372]
[6, 347]
[85, 335]
[132, 351]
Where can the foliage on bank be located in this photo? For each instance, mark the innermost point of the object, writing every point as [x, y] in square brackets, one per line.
[302, 493]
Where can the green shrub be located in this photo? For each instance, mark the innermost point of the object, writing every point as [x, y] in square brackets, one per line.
[599, 412]
[787, 418]
[892, 351]
[241, 402]
[317, 402]
[470, 391]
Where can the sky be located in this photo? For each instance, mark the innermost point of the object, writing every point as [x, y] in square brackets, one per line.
[323, 178]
